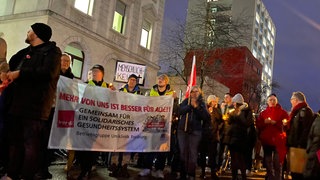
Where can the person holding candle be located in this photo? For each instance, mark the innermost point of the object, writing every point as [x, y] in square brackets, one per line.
[270, 124]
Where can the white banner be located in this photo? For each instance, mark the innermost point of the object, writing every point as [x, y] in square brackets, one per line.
[99, 119]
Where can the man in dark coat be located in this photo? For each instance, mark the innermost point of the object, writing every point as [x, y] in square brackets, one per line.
[312, 170]
[33, 76]
[300, 121]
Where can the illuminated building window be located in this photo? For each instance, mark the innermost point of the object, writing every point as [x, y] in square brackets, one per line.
[119, 17]
[84, 6]
[77, 59]
[146, 32]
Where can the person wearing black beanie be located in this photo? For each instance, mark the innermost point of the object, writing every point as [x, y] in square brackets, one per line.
[33, 76]
[42, 30]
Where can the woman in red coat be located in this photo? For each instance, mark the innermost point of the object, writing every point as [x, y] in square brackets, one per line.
[272, 136]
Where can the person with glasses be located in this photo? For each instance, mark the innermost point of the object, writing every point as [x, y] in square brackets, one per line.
[193, 113]
[121, 170]
[300, 120]
[273, 137]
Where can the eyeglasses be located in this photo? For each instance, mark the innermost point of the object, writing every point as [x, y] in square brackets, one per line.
[194, 91]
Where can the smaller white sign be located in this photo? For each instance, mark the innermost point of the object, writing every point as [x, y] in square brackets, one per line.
[125, 69]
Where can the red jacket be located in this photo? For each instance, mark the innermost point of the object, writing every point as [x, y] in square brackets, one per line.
[273, 134]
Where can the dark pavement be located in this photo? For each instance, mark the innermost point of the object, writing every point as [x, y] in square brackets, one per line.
[102, 173]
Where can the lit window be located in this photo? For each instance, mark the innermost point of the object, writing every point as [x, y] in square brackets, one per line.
[146, 34]
[213, 22]
[77, 58]
[264, 41]
[254, 53]
[257, 17]
[84, 6]
[119, 15]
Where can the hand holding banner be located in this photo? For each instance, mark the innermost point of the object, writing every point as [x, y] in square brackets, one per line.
[93, 118]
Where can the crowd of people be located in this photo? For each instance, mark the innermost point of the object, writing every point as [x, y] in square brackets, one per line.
[224, 131]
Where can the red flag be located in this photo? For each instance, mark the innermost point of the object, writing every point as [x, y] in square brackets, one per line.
[193, 77]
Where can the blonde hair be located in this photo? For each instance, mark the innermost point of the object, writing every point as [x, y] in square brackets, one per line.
[164, 77]
[199, 89]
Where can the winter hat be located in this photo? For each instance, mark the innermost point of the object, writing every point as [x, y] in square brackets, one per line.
[42, 30]
[98, 66]
[211, 98]
[133, 76]
[238, 99]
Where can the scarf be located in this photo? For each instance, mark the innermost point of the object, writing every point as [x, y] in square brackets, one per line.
[297, 108]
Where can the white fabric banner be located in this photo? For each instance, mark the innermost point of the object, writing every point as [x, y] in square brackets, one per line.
[99, 119]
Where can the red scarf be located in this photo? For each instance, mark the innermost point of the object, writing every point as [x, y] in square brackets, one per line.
[297, 108]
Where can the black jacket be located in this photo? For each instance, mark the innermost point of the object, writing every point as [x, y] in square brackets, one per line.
[312, 169]
[239, 123]
[34, 90]
[211, 128]
[300, 125]
[67, 74]
[196, 116]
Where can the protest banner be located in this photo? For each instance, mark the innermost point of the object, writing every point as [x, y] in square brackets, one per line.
[99, 119]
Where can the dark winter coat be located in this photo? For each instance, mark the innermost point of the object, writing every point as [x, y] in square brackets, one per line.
[300, 121]
[312, 169]
[240, 121]
[67, 74]
[34, 90]
[225, 125]
[211, 128]
[196, 116]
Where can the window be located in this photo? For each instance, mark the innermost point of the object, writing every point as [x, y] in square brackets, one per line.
[77, 58]
[257, 17]
[145, 40]
[119, 15]
[84, 6]
[214, 10]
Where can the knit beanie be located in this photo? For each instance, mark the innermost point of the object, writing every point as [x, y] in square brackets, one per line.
[133, 76]
[42, 30]
[211, 98]
[98, 66]
[238, 99]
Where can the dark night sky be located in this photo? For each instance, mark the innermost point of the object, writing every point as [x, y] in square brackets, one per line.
[297, 48]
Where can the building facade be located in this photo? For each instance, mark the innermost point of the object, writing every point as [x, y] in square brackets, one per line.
[235, 68]
[259, 31]
[92, 32]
